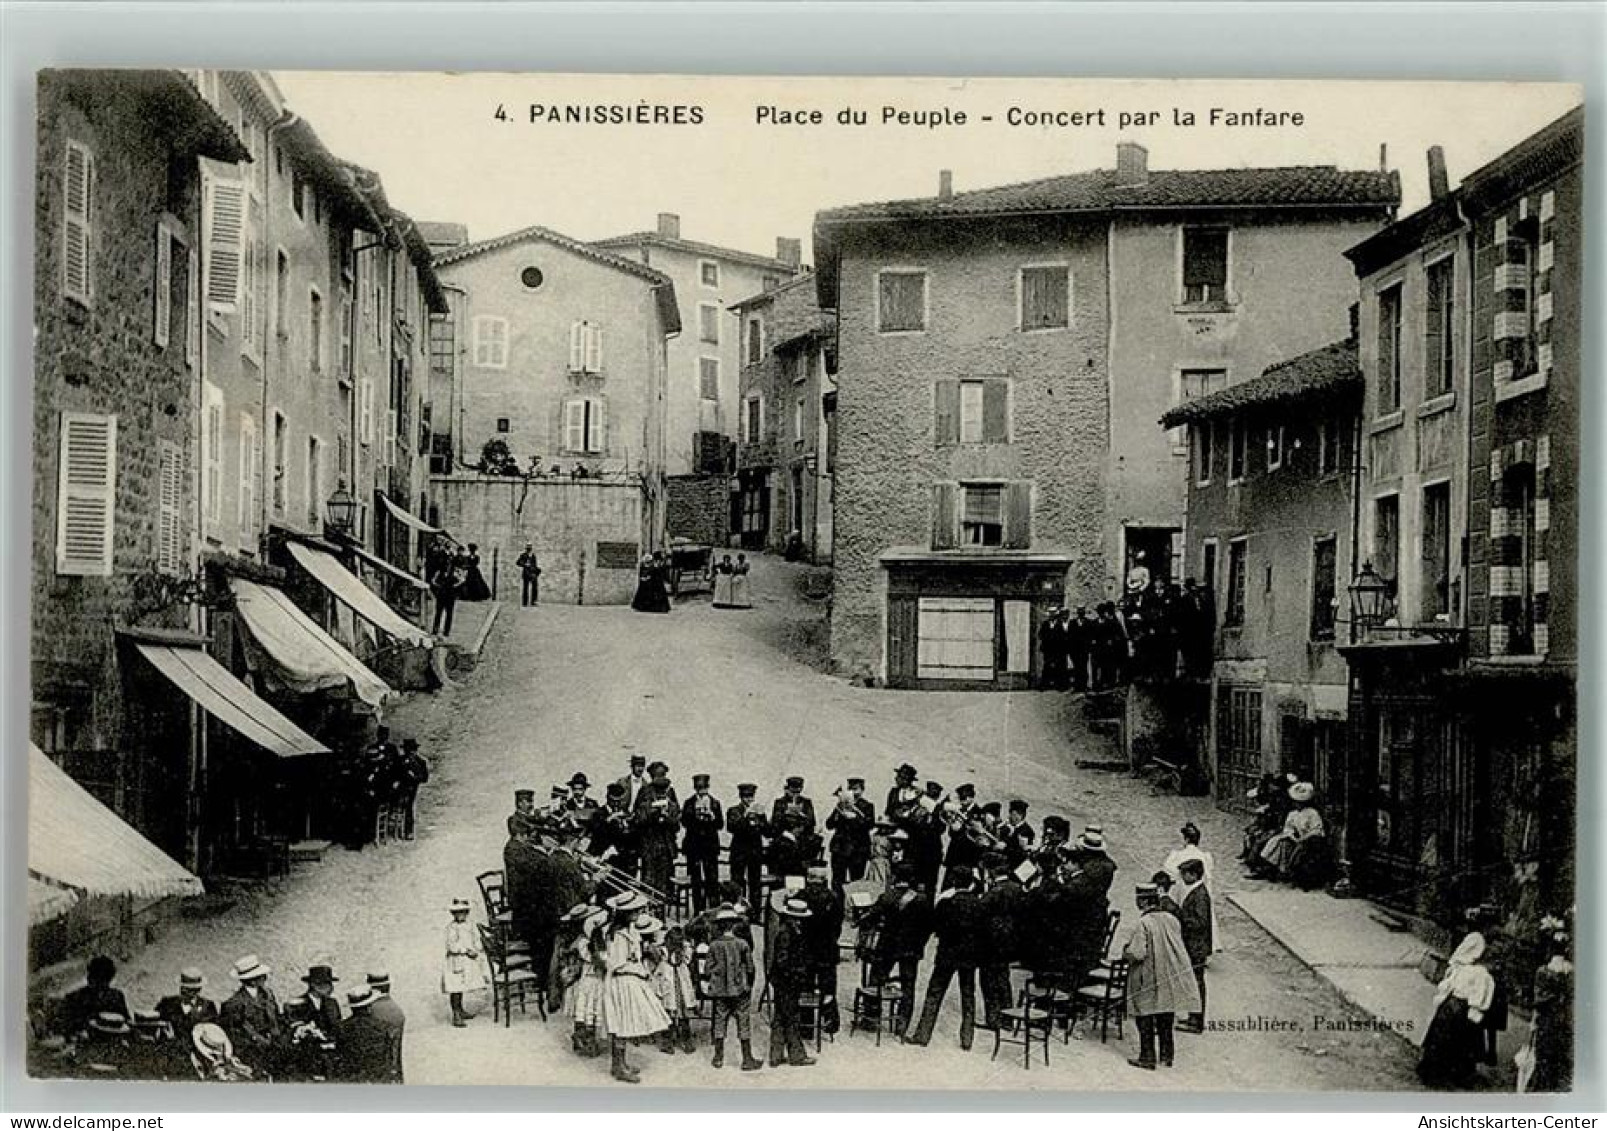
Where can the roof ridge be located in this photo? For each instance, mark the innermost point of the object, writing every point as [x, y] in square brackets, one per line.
[647, 235]
[508, 239]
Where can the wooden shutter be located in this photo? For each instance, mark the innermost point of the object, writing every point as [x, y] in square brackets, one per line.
[995, 411]
[163, 286]
[577, 347]
[575, 425]
[598, 410]
[86, 498]
[247, 503]
[169, 513]
[594, 349]
[945, 516]
[1018, 514]
[192, 310]
[225, 246]
[212, 454]
[946, 393]
[77, 280]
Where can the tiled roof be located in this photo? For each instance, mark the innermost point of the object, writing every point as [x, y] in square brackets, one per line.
[1536, 158]
[1324, 372]
[693, 247]
[443, 233]
[766, 296]
[1299, 186]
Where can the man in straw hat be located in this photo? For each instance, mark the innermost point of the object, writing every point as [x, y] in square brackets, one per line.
[1092, 859]
[1160, 979]
[189, 1007]
[252, 1016]
[789, 973]
[389, 1016]
[365, 1042]
[702, 818]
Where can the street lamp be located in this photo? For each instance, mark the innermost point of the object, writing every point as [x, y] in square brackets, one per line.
[340, 508]
[1369, 597]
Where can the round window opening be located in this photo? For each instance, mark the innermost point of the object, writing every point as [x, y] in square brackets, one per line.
[531, 277]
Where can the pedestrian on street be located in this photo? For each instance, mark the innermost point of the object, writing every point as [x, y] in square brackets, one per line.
[529, 576]
[1454, 1043]
[364, 1042]
[958, 921]
[1194, 913]
[252, 1017]
[1191, 850]
[728, 968]
[461, 971]
[850, 821]
[474, 587]
[390, 1017]
[1550, 1051]
[1163, 888]
[445, 581]
[1079, 643]
[789, 974]
[188, 1008]
[651, 595]
[413, 772]
[748, 826]
[1160, 979]
[702, 819]
[633, 1010]
[901, 921]
[1053, 652]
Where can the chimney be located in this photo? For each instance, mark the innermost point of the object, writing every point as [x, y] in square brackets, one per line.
[1383, 157]
[789, 252]
[1439, 184]
[945, 184]
[669, 225]
[1132, 163]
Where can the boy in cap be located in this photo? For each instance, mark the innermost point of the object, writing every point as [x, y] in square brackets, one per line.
[851, 821]
[729, 970]
[702, 819]
[748, 826]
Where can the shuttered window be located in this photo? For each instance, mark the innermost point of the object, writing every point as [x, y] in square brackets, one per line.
[212, 456]
[585, 347]
[225, 243]
[252, 280]
[973, 411]
[1439, 327]
[345, 331]
[901, 301]
[982, 514]
[709, 378]
[77, 273]
[250, 468]
[1045, 298]
[490, 341]
[1389, 349]
[708, 322]
[1205, 265]
[192, 310]
[162, 285]
[170, 542]
[585, 426]
[86, 498]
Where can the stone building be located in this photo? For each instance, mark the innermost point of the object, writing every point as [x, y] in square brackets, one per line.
[1271, 472]
[1462, 706]
[704, 361]
[117, 320]
[561, 373]
[1004, 354]
[788, 413]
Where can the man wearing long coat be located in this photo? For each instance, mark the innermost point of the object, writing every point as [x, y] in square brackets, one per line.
[1160, 979]
[1194, 913]
[850, 822]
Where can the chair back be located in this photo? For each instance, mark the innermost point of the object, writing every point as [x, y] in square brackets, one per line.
[1112, 921]
[493, 890]
[492, 947]
[1116, 987]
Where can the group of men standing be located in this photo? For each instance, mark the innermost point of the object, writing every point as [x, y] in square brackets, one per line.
[1155, 632]
[382, 777]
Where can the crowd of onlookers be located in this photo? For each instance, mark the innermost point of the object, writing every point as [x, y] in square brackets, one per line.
[1158, 631]
[374, 790]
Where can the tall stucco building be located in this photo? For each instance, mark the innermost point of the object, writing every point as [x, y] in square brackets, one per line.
[1004, 355]
[561, 369]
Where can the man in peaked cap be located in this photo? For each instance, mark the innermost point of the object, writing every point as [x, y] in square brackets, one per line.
[635, 780]
[522, 821]
[702, 819]
[389, 1016]
[748, 825]
[793, 803]
[962, 851]
[1016, 835]
[614, 836]
[658, 819]
[851, 821]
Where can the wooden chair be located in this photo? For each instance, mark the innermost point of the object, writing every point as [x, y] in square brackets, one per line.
[1024, 1025]
[1053, 1000]
[494, 893]
[1101, 969]
[810, 1007]
[1106, 999]
[876, 1008]
[511, 981]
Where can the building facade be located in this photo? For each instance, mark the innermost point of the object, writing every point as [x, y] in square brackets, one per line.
[704, 361]
[117, 317]
[1462, 703]
[783, 466]
[1032, 334]
[562, 364]
[1271, 478]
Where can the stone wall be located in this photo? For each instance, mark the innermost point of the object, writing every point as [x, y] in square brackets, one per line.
[700, 508]
[565, 519]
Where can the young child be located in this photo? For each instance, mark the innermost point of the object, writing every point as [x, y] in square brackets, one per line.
[586, 997]
[729, 974]
[460, 970]
[672, 978]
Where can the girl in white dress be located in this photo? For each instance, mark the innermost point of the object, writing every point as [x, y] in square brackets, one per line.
[461, 971]
[632, 1008]
[586, 998]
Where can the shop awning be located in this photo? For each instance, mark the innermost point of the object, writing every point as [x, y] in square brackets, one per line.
[349, 589]
[302, 656]
[76, 842]
[395, 571]
[229, 701]
[47, 901]
[408, 518]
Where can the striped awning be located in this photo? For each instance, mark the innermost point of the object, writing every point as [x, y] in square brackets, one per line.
[229, 701]
[75, 842]
[395, 571]
[349, 589]
[408, 518]
[298, 654]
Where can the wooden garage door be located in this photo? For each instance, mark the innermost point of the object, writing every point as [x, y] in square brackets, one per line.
[956, 638]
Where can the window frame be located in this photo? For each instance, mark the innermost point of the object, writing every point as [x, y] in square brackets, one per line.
[1021, 297]
[1425, 585]
[1440, 380]
[1236, 601]
[1393, 293]
[1277, 448]
[1392, 578]
[703, 373]
[926, 300]
[702, 269]
[482, 341]
[1204, 454]
[317, 316]
[1238, 450]
[1333, 445]
[964, 489]
[1225, 299]
[753, 339]
[1323, 628]
[708, 322]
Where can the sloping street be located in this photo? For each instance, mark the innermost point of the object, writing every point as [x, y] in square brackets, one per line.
[734, 694]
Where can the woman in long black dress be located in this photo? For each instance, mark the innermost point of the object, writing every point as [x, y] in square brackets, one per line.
[651, 596]
[474, 586]
[1551, 1048]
